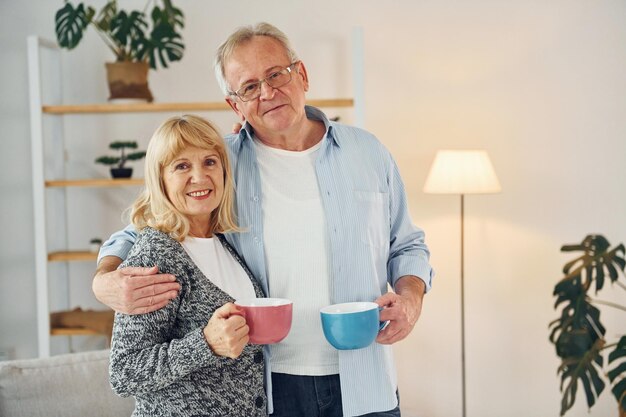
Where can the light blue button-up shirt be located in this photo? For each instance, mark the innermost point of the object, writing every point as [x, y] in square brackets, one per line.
[373, 242]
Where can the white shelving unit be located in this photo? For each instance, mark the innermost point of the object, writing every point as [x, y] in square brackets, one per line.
[49, 174]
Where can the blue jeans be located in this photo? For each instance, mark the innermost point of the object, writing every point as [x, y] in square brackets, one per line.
[312, 396]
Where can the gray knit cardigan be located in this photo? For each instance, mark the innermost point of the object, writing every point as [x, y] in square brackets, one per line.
[162, 358]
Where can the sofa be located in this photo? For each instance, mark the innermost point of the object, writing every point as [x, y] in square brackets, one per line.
[75, 384]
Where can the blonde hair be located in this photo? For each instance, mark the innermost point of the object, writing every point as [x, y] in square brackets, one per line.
[241, 36]
[153, 208]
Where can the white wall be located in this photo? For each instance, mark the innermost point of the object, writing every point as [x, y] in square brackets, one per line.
[540, 85]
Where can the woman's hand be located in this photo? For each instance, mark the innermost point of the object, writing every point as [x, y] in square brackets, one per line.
[226, 332]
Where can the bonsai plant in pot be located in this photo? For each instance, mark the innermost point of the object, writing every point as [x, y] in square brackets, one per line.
[119, 170]
[137, 45]
[578, 334]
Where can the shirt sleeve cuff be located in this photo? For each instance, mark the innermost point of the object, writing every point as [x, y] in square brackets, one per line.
[403, 266]
[119, 249]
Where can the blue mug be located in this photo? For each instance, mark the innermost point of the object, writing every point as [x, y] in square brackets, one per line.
[351, 325]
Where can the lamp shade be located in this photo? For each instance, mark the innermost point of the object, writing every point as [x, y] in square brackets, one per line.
[462, 172]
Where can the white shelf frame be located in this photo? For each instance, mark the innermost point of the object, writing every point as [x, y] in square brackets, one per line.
[34, 45]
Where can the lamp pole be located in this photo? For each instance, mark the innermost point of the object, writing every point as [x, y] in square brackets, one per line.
[463, 303]
[462, 172]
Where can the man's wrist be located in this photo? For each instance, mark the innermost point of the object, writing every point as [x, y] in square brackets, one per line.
[410, 285]
[108, 264]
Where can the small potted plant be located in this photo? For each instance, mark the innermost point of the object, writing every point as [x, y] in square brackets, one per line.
[136, 44]
[94, 244]
[119, 170]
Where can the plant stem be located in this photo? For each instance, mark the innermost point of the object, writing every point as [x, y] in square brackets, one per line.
[608, 346]
[118, 52]
[146, 7]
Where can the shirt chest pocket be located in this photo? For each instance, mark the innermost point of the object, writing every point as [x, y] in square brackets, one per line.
[372, 217]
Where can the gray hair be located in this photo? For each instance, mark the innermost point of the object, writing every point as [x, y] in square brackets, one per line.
[243, 35]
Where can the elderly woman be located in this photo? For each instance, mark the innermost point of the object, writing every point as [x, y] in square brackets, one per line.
[191, 357]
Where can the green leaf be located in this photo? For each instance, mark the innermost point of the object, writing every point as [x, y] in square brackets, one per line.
[572, 248]
[620, 259]
[106, 15]
[612, 272]
[581, 368]
[599, 276]
[573, 343]
[135, 156]
[619, 391]
[70, 24]
[122, 144]
[568, 266]
[126, 27]
[569, 288]
[591, 400]
[592, 320]
[163, 46]
[108, 160]
[617, 371]
[619, 351]
[174, 15]
[598, 384]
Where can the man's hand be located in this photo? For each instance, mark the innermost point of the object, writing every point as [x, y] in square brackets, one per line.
[132, 290]
[227, 332]
[401, 308]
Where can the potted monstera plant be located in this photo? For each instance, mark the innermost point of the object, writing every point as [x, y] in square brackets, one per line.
[588, 357]
[118, 163]
[137, 44]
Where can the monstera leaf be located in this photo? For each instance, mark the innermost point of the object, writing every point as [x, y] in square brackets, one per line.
[70, 24]
[578, 334]
[125, 27]
[105, 16]
[617, 375]
[585, 369]
[164, 45]
[596, 263]
[174, 15]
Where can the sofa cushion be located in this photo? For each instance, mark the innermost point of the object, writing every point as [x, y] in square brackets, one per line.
[75, 384]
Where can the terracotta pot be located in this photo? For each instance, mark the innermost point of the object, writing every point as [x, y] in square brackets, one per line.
[128, 80]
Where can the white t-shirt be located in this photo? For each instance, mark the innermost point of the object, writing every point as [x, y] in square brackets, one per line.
[297, 254]
[218, 265]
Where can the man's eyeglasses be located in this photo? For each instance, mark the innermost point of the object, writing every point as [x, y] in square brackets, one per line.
[278, 78]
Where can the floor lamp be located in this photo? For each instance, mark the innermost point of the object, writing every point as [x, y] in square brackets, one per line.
[462, 172]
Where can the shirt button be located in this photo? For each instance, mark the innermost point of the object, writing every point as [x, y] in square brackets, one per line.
[255, 198]
[258, 357]
[259, 402]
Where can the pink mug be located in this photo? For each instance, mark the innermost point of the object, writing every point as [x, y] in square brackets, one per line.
[269, 319]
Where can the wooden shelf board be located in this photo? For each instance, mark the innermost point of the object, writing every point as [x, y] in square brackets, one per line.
[73, 331]
[97, 182]
[72, 256]
[169, 107]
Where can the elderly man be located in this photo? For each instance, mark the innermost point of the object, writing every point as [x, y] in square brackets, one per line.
[325, 220]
